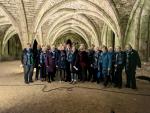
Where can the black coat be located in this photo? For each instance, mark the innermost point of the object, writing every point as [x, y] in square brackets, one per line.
[37, 58]
[74, 62]
[62, 59]
[132, 60]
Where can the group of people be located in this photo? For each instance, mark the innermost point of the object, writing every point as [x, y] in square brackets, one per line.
[67, 63]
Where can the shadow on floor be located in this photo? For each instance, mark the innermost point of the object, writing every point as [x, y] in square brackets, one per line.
[143, 78]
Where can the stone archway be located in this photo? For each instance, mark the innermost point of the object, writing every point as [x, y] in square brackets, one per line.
[61, 11]
[75, 38]
[12, 48]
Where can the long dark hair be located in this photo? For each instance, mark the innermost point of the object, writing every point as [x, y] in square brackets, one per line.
[69, 42]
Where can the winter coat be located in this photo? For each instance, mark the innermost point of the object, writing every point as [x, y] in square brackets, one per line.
[69, 55]
[56, 52]
[74, 62]
[62, 59]
[37, 58]
[106, 63]
[96, 60]
[27, 57]
[112, 57]
[132, 60]
[120, 59]
[42, 58]
[83, 59]
[106, 60]
[91, 57]
[50, 61]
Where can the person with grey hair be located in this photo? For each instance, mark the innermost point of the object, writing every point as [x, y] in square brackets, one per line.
[112, 62]
[83, 63]
[28, 62]
[132, 62]
[119, 65]
[91, 76]
[37, 61]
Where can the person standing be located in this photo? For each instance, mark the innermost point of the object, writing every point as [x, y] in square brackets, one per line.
[68, 60]
[74, 67]
[106, 65]
[100, 77]
[37, 62]
[42, 64]
[55, 54]
[62, 64]
[132, 62]
[50, 65]
[83, 62]
[27, 62]
[111, 54]
[91, 76]
[96, 65]
[119, 65]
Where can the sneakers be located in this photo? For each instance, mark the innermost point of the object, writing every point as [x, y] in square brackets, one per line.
[73, 82]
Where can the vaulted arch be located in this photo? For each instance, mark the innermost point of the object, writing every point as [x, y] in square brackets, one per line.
[88, 8]
[73, 19]
[71, 23]
[76, 29]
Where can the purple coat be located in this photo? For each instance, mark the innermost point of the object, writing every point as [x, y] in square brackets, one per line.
[83, 59]
[50, 62]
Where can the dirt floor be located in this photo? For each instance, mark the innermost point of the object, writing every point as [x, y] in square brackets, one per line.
[56, 97]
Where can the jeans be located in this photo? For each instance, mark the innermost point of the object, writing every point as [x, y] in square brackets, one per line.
[62, 74]
[28, 69]
[73, 77]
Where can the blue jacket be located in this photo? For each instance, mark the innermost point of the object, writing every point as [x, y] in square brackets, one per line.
[56, 53]
[106, 60]
[112, 58]
[42, 58]
[27, 57]
[62, 59]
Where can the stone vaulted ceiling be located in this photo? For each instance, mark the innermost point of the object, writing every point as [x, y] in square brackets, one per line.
[46, 20]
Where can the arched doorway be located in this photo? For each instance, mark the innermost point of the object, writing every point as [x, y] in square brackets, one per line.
[13, 48]
[75, 38]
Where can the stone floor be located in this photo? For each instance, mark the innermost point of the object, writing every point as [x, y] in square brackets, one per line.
[41, 97]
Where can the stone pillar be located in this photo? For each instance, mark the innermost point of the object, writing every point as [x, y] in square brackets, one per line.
[107, 37]
[142, 49]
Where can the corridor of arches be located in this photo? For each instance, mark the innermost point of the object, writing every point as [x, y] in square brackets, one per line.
[90, 22]
[98, 22]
